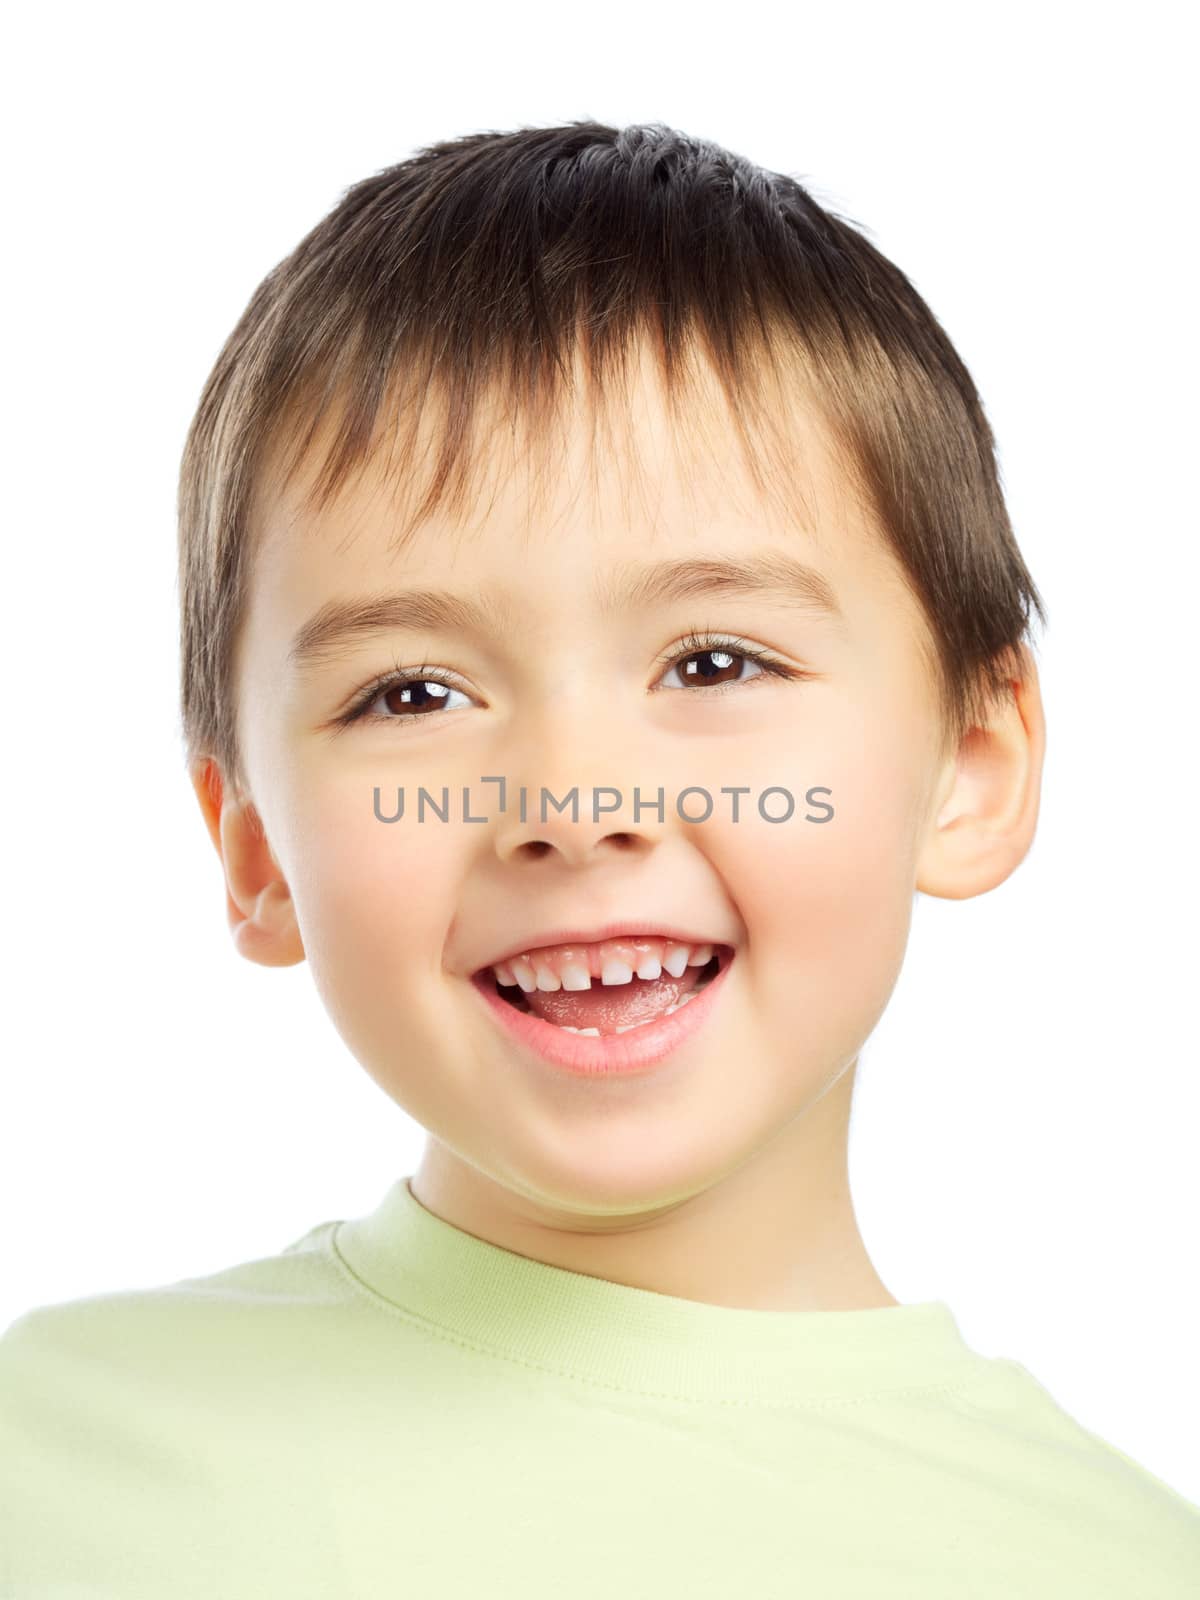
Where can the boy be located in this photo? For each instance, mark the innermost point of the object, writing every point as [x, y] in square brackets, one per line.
[599, 617]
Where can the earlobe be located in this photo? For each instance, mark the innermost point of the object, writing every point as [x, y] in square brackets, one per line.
[268, 934]
[985, 813]
[262, 916]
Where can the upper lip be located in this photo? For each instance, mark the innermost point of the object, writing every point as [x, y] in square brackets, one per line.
[610, 930]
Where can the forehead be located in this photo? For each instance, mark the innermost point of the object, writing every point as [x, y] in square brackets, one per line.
[613, 474]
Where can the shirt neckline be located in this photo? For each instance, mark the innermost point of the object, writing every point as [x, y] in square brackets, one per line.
[636, 1339]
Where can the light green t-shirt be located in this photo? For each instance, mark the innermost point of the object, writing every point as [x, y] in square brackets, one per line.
[393, 1407]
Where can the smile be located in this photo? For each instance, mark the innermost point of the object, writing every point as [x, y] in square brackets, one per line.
[609, 1046]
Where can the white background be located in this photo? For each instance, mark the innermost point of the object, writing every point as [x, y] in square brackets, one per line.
[1025, 1131]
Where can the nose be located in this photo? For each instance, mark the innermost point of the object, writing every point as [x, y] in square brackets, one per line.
[582, 809]
[578, 823]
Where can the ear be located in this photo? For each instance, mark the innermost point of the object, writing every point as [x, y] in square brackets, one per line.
[261, 913]
[986, 806]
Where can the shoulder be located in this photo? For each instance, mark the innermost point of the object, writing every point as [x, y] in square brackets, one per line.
[190, 1328]
[140, 1424]
[1083, 1482]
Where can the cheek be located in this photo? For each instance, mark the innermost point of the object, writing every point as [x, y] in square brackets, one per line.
[827, 905]
[373, 899]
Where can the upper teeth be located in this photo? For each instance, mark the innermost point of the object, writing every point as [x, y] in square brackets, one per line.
[612, 961]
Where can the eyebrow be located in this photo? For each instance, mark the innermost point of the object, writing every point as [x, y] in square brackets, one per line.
[772, 577]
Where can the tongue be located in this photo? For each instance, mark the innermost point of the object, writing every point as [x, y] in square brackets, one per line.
[612, 1006]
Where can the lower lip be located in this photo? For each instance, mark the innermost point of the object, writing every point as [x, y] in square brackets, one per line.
[612, 1054]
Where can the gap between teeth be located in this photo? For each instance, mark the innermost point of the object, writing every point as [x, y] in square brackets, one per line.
[529, 978]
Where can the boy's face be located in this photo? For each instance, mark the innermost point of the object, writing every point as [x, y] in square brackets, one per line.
[395, 919]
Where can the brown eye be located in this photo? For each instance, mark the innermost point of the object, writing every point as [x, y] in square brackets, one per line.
[404, 697]
[415, 697]
[713, 667]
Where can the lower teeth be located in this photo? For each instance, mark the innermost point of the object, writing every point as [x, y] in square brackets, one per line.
[594, 1033]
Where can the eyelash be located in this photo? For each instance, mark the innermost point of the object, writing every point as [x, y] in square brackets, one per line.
[695, 643]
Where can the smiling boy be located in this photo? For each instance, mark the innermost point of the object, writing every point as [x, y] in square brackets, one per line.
[558, 649]
[598, 463]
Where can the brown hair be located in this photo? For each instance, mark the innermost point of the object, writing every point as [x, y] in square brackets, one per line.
[482, 265]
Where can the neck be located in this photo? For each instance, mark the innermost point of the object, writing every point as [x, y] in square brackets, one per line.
[777, 1233]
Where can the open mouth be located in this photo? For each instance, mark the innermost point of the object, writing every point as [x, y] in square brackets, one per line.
[606, 1009]
[516, 996]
